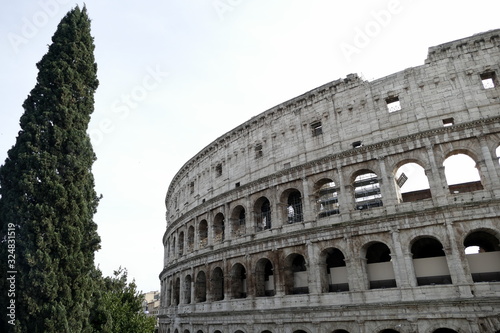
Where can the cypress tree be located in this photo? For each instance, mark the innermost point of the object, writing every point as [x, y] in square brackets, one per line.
[47, 192]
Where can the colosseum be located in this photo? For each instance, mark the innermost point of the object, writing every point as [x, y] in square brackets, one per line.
[357, 207]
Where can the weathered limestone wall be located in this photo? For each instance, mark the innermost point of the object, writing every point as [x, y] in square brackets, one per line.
[216, 256]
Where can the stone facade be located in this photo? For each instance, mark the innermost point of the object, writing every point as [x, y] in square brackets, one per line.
[298, 220]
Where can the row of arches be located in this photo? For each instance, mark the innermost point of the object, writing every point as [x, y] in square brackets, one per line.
[410, 182]
[387, 330]
[428, 260]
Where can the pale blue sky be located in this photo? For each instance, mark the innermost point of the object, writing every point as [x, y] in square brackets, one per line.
[227, 60]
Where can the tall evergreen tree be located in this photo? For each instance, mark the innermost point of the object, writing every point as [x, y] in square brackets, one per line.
[47, 191]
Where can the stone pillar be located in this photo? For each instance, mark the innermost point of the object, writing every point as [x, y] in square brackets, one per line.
[437, 179]
[345, 195]
[490, 170]
[308, 209]
[387, 187]
[455, 259]
[400, 266]
[313, 271]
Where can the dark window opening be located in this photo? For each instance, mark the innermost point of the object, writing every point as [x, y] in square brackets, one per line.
[258, 151]
[237, 184]
[218, 170]
[357, 144]
[393, 104]
[448, 122]
[317, 128]
[191, 187]
[489, 80]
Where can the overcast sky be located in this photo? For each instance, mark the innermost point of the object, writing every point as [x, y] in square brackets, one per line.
[175, 75]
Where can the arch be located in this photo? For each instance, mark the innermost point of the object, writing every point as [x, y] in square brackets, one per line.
[294, 209]
[335, 272]
[389, 330]
[444, 330]
[411, 182]
[264, 278]
[295, 271]
[340, 331]
[366, 189]
[238, 219]
[238, 281]
[379, 266]
[327, 200]
[484, 262]
[429, 262]
[190, 238]
[217, 284]
[201, 287]
[203, 233]
[219, 228]
[187, 289]
[173, 251]
[186, 331]
[181, 243]
[461, 173]
[177, 291]
[262, 211]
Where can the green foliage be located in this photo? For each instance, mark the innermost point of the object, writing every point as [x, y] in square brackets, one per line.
[47, 190]
[118, 307]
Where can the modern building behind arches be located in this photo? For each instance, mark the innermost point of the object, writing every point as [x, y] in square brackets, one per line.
[339, 211]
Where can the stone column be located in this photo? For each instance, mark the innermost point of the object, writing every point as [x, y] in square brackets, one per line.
[345, 195]
[455, 258]
[490, 170]
[437, 179]
[387, 187]
[308, 210]
[401, 269]
[314, 279]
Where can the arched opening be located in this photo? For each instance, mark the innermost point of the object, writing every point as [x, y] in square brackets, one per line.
[174, 253]
[203, 233]
[444, 330]
[201, 287]
[219, 228]
[190, 239]
[264, 278]
[181, 243]
[412, 183]
[379, 266]
[238, 281]
[187, 289]
[296, 281]
[461, 174]
[263, 214]
[299, 331]
[217, 285]
[327, 200]
[186, 331]
[429, 262]
[340, 331]
[483, 255]
[294, 211]
[177, 291]
[367, 190]
[389, 330]
[238, 219]
[336, 271]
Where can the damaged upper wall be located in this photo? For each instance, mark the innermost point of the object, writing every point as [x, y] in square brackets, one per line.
[342, 115]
